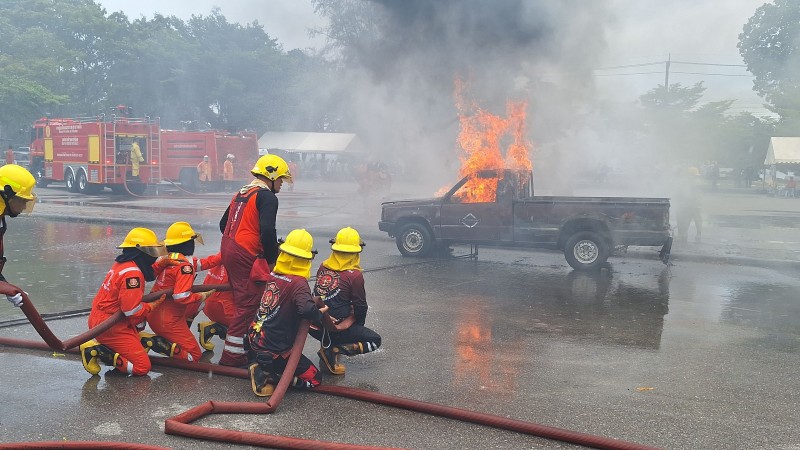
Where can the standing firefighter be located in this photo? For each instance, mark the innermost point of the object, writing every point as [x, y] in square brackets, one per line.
[122, 290]
[204, 173]
[227, 171]
[248, 231]
[136, 158]
[340, 284]
[16, 185]
[286, 300]
[169, 320]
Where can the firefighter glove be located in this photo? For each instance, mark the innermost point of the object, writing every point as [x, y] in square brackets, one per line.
[205, 295]
[16, 300]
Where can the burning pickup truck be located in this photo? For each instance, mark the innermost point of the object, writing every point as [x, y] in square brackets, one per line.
[499, 208]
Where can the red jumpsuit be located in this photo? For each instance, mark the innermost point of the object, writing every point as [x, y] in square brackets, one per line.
[122, 289]
[168, 320]
[219, 305]
[248, 230]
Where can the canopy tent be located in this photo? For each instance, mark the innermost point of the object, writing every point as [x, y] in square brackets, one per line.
[783, 152]
[303, 142]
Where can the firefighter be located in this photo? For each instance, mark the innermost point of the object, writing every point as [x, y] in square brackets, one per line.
[136, 158]
[10, 155]
[248, 230]
[122, 290]
[169, 320]
[285, 300]
[16, 189]
[227, 171]
[204, 173]
[340, 284]
[219, 309]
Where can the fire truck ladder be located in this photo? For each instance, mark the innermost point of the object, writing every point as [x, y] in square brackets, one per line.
[110, 152]
[155, 153]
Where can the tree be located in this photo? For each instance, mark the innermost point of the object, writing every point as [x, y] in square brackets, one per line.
[769, 46]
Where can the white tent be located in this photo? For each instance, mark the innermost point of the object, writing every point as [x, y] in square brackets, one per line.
[783, 151]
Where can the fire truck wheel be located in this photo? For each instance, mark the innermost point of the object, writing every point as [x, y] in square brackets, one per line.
[414, 239]
[586, 250]
[69, 180]
[84, 187]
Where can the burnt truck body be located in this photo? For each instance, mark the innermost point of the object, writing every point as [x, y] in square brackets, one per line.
[586, 229]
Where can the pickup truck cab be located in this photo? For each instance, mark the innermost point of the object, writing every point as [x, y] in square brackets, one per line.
[499, 208]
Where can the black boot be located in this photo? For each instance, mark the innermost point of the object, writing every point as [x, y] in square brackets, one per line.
[159, 344]
[262, 378]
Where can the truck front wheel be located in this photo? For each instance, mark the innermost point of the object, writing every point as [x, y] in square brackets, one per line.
[414, 240]
[69, 180]
[586, 250]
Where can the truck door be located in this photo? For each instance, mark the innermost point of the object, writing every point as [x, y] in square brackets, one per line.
[475, 213]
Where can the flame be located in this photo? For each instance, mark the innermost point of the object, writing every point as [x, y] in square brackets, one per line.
[480, 140]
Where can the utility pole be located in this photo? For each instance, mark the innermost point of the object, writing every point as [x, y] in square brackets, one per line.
[666, 74]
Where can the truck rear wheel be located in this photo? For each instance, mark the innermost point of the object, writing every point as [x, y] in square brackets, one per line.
[414, 240]
[586, 250]
[84, 187]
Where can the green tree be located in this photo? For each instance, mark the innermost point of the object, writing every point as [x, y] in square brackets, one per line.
[769, 46]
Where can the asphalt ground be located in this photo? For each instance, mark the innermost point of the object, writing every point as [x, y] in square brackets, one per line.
[702, 354]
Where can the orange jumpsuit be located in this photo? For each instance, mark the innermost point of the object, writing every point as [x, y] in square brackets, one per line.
[168, 320]
[122, 289]
[227, 170]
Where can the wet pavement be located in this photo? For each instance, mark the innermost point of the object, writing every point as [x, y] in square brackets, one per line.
[702, 354]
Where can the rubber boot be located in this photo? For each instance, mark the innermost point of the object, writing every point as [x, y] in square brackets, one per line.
[92, 351]
[262, 379]
[210, 329]
[329, 359]
[159, 344]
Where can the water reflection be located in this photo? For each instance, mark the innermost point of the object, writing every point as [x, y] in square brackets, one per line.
[59, 264]
[494, 323]
[771, 308]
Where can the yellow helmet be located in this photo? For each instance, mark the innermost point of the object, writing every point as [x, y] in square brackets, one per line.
[145, 240]
[180, 232]
[296, 254]
[347, 241]
[299, 243]
[272, 167]
[19, 180]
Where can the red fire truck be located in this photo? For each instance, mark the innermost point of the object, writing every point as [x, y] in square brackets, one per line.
[88, 154]
[182, 151]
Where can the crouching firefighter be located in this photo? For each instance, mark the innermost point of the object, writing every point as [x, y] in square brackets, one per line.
[123, 287]
[169, 319]
[285, 302]
[340, 286]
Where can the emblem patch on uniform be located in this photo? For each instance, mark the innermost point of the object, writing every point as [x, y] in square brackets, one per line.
[132, 283]
[186, 269]
[327, 282]
[271, 297]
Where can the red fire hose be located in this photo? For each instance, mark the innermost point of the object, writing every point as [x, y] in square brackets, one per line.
[180, 424]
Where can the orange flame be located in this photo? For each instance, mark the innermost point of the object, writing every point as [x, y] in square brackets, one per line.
[481, 136]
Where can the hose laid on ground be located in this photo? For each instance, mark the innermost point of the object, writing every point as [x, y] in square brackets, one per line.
[180, 424]
[81, 445]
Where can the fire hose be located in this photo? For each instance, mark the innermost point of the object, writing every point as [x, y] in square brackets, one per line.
[181, 424]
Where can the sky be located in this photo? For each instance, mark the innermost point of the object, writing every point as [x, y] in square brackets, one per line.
[638, 32]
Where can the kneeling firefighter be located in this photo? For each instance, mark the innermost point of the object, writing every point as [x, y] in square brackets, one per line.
[122, 290]
[286, 300]
[169, 320]
[340, 286]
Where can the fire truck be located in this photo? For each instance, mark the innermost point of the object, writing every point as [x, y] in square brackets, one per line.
[91, 153]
